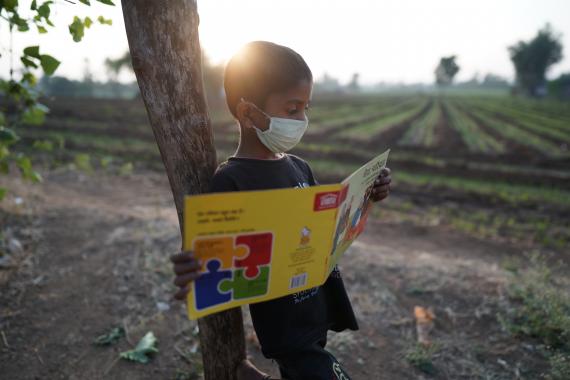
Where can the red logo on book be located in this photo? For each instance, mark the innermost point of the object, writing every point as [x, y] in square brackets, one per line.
[326, 201]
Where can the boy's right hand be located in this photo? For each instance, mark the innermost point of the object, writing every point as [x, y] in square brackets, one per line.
[187, 269]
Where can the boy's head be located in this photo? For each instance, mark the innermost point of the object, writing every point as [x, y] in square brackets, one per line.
[262, 69]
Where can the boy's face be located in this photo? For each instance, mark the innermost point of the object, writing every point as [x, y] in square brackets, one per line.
[290, 104]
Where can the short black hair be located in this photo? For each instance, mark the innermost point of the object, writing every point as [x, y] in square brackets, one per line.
[262, 68]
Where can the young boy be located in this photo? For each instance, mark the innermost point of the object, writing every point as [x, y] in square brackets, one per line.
[268, 89]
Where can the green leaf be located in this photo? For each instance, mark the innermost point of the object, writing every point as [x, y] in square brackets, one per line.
[2, 193]
[145, 347]
[49, 22]
[86, 2]
[49, 63]
[20, 22]
[28, 62]
[44, 10]
[30, 78]
[33, 51]
[77, 29]
[23, 26]
[34, 5]
[103, 20]
[34, 115]
[8, 136]
[41, 29]
[87, 22]
[110, 338]
[10, 5]
[108, 2]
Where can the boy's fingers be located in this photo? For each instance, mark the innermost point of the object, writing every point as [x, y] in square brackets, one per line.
[380, 193]
[184, 279]
[385, 171]
[383, 180]
[190, 266]
[183, 256]
[181, 293]
[382, 189]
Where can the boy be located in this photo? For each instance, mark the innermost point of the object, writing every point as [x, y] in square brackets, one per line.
[268, 89]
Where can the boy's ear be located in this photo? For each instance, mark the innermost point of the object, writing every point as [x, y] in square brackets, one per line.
[243, 111]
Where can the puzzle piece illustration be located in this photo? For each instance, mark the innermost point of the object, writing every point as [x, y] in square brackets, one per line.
[207, 291]
[259, 252]
[244, 287]
[220, 248]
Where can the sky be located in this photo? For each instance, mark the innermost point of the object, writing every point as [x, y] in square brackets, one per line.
[393, 41]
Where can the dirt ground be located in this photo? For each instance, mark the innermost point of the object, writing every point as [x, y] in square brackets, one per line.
[94, 256]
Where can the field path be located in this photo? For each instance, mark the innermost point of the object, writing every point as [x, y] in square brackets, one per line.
[97, 259]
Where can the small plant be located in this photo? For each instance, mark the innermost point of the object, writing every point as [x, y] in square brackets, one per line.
[83, 162]
[421, 357]
[126, 169]
[559, 367]
[540, 309]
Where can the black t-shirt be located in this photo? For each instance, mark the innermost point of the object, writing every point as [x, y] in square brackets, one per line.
[287, 323]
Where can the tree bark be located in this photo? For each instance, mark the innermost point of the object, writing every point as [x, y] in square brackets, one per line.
[165, 51]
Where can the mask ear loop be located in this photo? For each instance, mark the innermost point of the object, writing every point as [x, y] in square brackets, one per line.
[267, 117]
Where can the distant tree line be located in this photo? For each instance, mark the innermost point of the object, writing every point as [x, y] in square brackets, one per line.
[531, 60]
[87, 87]
[63, 87]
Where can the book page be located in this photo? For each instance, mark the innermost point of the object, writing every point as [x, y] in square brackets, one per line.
[354, 206]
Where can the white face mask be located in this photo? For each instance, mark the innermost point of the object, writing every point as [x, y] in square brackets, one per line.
[283, 134]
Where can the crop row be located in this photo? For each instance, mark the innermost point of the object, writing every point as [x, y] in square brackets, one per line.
[421, 131]
[472, 135]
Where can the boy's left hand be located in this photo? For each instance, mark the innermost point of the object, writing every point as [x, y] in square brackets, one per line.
[381, 187]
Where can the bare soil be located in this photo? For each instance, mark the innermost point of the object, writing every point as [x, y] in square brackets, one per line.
[95, 256]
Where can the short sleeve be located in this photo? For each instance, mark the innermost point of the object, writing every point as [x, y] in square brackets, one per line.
[312, 180]
[306, 168]
[222, 182]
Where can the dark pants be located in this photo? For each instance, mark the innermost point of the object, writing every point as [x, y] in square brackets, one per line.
[312, 362]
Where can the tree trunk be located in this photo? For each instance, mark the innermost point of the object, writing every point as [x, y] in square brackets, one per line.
[166, 57]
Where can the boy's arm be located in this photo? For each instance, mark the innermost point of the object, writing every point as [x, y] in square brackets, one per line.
[381, 187]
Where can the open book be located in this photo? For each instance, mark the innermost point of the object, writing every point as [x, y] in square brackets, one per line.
[260, 245]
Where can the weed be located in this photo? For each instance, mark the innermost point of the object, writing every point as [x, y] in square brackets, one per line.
[541, 310]
[559, 367]
[421, 357]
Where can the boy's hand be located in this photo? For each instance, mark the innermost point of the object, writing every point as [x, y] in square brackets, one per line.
[187, 269]
[381, 187]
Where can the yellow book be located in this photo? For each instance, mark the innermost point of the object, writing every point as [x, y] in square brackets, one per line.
[260, 245]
